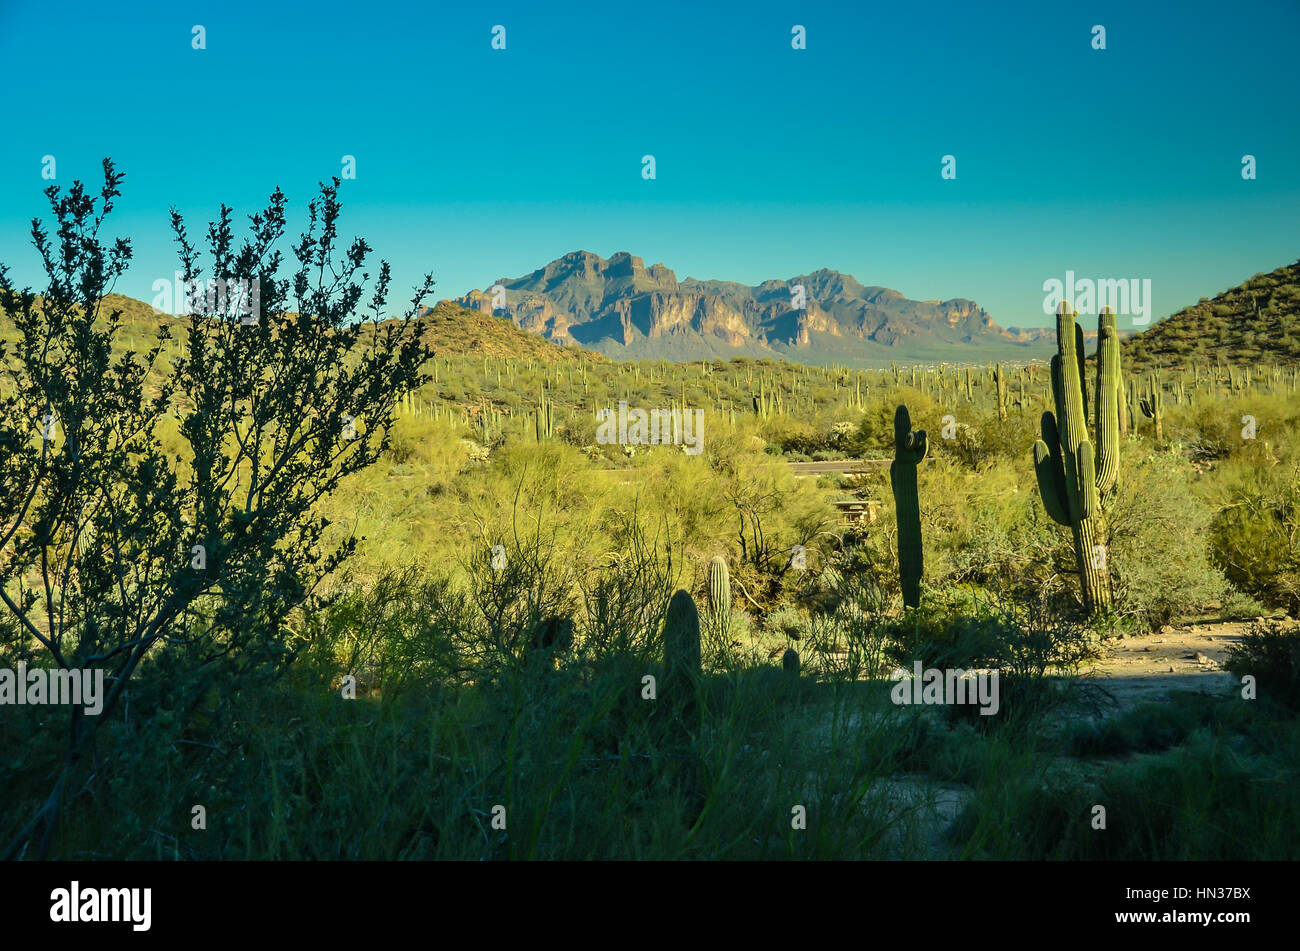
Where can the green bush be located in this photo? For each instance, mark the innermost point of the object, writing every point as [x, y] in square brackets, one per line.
[1160, 565]
[1255, 537]
[1270, 652]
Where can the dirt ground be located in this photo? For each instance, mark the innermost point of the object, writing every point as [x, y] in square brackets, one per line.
[1187, 657]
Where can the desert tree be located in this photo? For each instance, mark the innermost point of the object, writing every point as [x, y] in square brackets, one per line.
[165, 501]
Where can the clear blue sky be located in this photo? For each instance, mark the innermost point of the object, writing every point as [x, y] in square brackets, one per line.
[478, 164]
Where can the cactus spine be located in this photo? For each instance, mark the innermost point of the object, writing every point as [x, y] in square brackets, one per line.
[1076, 480]
[909, 451]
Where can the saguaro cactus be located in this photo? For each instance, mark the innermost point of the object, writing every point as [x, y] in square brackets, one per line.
[1153, 408]
[1076, 479]
[545, 422]
[909, 451]
[1000, 383]
[682, 658]
[719, 587]
[790, 662]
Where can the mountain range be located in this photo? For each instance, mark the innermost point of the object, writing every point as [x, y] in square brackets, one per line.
[625, 310]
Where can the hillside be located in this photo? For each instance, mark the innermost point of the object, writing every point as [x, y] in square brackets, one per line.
[1257, 322]
[625, 310]
[461, 330]
[452, 330]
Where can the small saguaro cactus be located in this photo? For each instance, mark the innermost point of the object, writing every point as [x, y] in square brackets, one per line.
[1153, 408]
[1000, 383]
[1076, 480]
[790, 662]
[719, 587]
[909, 451]
[682, 658]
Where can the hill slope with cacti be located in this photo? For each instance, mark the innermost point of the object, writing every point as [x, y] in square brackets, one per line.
[1256, 323]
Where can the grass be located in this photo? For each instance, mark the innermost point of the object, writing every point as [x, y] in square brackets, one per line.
[584, 769]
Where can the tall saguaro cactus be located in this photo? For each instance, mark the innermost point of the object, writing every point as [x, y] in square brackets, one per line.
[909, 451]
[1076, 479]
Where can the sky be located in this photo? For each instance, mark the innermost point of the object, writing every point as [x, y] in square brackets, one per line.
[477, 163]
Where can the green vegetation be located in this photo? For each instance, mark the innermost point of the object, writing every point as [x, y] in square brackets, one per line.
[480, 638]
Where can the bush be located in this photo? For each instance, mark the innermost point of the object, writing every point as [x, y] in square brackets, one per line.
[1255, 538]
[1270, 652]
[1160, 566]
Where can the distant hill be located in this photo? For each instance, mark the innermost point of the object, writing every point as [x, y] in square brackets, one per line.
[626, 310]
[452, 330]
[1257, 322]
[460, 330]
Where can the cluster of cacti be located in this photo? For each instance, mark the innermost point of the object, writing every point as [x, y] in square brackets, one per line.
[488, 424]
[1000, 384]
[1153, 408]
[768, 402]
[545, 422]
[1076, 480]
[909, 451]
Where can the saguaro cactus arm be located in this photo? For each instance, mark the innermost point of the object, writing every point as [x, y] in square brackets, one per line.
[1050, 471]
[1108, 408]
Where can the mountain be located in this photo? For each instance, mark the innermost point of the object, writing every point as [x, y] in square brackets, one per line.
[1257, 322]
[623, 309]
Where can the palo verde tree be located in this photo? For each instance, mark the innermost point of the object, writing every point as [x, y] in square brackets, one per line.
[114, 550]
